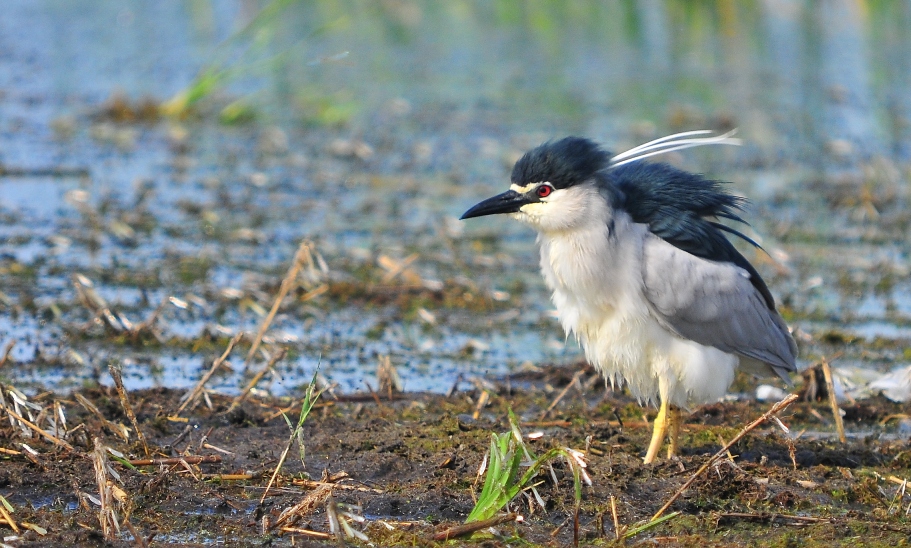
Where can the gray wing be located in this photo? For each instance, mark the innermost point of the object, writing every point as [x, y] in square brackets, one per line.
[714, 304]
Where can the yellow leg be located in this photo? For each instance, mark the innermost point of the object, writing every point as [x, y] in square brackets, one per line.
[674, 420]
[659, 429]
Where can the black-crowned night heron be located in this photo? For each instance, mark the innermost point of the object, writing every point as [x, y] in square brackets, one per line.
[642, 272]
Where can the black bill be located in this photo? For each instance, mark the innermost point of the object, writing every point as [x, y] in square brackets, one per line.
[508, 202]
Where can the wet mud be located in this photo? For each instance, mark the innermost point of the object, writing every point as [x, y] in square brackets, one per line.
[408, 464]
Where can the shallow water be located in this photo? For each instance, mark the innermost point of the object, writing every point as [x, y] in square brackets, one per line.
[374, 134]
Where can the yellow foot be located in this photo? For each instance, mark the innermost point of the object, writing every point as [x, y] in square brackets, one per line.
[674, 420]
[659, 429]
[666, 423]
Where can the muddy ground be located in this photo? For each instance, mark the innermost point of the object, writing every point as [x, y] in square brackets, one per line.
[408, 465]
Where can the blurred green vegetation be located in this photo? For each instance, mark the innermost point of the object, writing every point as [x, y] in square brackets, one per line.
[544, 63]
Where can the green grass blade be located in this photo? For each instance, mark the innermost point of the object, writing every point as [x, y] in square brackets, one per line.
[502, 480]
[645, 527]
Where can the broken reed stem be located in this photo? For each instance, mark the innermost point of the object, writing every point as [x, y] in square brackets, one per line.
[205, 378]
[276, 357]
[8, 518]
[771, 518]
[137, 538]
[483, 399]
[229, 477]
[469, 528]
[115, 428]
[307, 533]
[397, 268]
[40, 432]
[307, 505]
[561, 395]
[6, 352]
[311, 484]
[777, 408]
[833, 401]
[281, 462]
[207, 459]
[125, 403]
[302, 252]
[98, 306]
[576, 525]
[107, 515]
[147, 323]
[379, 403]
[613, 511]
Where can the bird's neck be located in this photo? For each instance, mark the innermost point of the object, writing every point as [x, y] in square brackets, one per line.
[593, 270]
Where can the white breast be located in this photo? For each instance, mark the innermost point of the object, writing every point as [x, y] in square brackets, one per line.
[596, 282]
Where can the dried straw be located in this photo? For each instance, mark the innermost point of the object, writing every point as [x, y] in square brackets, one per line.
[125, 403]
[303, 255]
[40, 432]
[833, 401]
[276, 357]
[107, 516]
[191, 397]
[777, 408]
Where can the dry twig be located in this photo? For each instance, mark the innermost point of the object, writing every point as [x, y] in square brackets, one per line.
[125, 403]
[613, 511]
[560, 396]
[483, 399]
[276, 357]
[387, 376]
[207, 459]
[107, 516]
[772, 518]
[7, 517]
[308, 504]
[318, 484]
[303, 252]
[394, 268]
[40, 432]
[137, 538]
[469, 528]
[205, 378]
[229, 477]
[833, 401]
[307, 533]
[118, 429]
[6, 352]
[96, 304]
[777, 408]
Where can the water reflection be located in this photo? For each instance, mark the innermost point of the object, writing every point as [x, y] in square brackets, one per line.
[773, 66]
[848, 118]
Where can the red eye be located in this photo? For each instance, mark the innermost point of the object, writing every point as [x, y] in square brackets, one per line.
[544, 191]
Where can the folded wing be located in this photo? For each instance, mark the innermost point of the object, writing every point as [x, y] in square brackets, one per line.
[714, 304]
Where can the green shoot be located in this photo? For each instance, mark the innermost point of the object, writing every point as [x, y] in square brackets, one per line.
[502, 480]
[310, 396]
[6, 504]
[238, 56]
[123, 461]
[630, 533]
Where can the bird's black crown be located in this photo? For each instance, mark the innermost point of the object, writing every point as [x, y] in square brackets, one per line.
[562, 163]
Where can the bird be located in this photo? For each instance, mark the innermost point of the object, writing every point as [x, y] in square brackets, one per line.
[643, 274]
